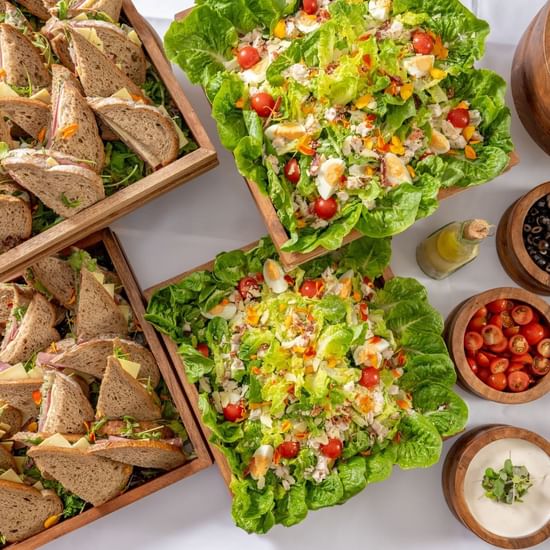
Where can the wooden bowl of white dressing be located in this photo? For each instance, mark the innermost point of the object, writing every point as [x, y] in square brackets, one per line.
[518, 525]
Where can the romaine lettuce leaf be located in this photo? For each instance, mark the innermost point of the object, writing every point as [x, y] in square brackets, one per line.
[327, 493]
[419, 444]
[352, 475]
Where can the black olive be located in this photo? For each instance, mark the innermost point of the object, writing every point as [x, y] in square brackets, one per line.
[536, 230]
[527, 228]
[547, 268]
[534, 212]
[543, 245]
[530, 239]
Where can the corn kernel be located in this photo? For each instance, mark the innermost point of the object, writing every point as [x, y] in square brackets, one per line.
[280, 29]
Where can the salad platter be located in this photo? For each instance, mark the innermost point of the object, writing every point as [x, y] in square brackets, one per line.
[343, 136]
[310, 384]
[130, 170]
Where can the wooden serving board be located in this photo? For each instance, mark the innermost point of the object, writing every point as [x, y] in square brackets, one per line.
[189, 388]
[103, 213]
[276, 229]
[203, 459]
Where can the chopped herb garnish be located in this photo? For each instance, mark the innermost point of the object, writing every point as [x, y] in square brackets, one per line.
[68, 202]
[19, 312]
[510, 484]
[79, 259]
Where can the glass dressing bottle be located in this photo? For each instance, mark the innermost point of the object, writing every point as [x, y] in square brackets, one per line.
[451, 247]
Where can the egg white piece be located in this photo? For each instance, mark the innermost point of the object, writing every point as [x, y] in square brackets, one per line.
[420, 65]
[306, 23]
[274, 277]
[395, 171]
[257, 74]
[225, 311]
[330, 176]
[284, 136]
[380, 9]
[439, 144]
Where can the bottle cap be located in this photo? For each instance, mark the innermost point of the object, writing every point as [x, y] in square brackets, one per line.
[476, 230]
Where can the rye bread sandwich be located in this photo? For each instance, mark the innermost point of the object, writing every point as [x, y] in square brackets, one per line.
[38, 8]
[22, 395]
[55, 278]
[11, 420]
[91, 8]
[15, 216]
[12, 296]
[30, 115]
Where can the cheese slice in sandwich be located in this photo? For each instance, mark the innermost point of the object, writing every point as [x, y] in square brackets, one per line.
[65, 408]
[63, 183]
[31, 115]
[122, 395]
[94, 479]
[22, 62]
[147, 130]
[54, 277]
[34, 332]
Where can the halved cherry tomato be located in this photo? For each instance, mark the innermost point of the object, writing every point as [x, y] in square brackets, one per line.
[543, 347]
[507, 320]
[248, 57]
[518, 345]
[292, 171]
[511, 331]
[540, 366]
[423, 43]
[483, 359]
[289, 449]
[370, 377]
[364, 310]
[500, 364]
[263, 103]
[501, 347]
[481, 312]
[483, 374]
[498, 306]
[309, 289]
[233, 412]
[492, 335]
[518, 381]
[472, 363]
[477, 323]
[325, 209]
[522, 315]
[498, 381]
[533, 332]
[495, 320]
[459, 118]
[310, 6]
[248, 287]
[333, 449]
[515, 366]
[525, 359]
[473, 341]
[203, 348]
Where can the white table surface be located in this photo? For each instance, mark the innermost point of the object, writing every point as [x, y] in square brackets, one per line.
[215, 212]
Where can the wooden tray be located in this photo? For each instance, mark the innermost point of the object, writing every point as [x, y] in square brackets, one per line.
[203, 459]
[101, 214]
[276, 229]
[189, 388]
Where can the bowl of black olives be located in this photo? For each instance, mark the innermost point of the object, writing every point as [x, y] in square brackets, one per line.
[523, 240]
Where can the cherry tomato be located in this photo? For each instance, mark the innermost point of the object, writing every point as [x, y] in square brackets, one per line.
[518, 381]
[370, 377]
[233, 412]
[511, 331]
[498, 381]
[518, 345]
[423, 43]
[459, 118]
[507, 320]
[309, 289]
[543, 347]
[248, 57]
[310, 6]
[325, 209]
[203, 348]
[472, 363]
[492, 335]
[495, 320]
[522, 315]
[483, 374]
[248, 287]
[533, 332]
[500, 364]
[501, 347]
[540, 366]
[498, 306]
[292, 171]
[481, 312]
[289, 449]
[515, 366]
[483, 359]
[524, 359]
[473, 341]
[263, 103]
[476, 324]
[333, 449]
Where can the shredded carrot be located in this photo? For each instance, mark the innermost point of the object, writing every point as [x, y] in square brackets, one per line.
[406, 91]
[69, 131]
[32, 427]
[470, 153]
[3, 73]
[51, 521]
[396, 146]
[239, 103]
[304, 146]
[42, 135]
[438, 74]
[280, 29]
[356, 296]
[411, 171]
[463, 105]
[405, 405]
[286, 425]
[396, 373]
[256, 370]
[302, 435]
[363, 101]
[37, 397]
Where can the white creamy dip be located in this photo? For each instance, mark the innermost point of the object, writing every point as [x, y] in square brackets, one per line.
[521, 518]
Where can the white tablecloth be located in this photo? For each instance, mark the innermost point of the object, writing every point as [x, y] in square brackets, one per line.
[214, 213]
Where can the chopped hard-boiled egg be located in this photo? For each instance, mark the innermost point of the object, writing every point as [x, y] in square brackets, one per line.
[226, 310]
[380, 9]
[330, 176]
[261, 461]
[306, 23]
[274, 277]
[420, 65]
[284, 136]
[439, 144]
[256, 74]
[395, 171]
[130, 367]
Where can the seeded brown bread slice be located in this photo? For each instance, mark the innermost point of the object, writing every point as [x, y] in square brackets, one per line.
[25, 509]
[149, 370]
[111, 8]
[58, 180]
[94, 479]
[122, 395]
[36, 332]
[21, 60]
[6, 459]
[141, 453]
[36, 7]
[15, 222]
[144, 128]
[19, 394]
[56, 277]
[12, 295]
[31, 115]
[99, 76]
[97, 313]
[12, 417]
[5, 133]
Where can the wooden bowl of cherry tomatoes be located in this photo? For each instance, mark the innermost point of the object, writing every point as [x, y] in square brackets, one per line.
[500, 343]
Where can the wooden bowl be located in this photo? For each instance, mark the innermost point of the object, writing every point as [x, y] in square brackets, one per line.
[511, 247]
[456, 329]
[454, 473]
[531, 79]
